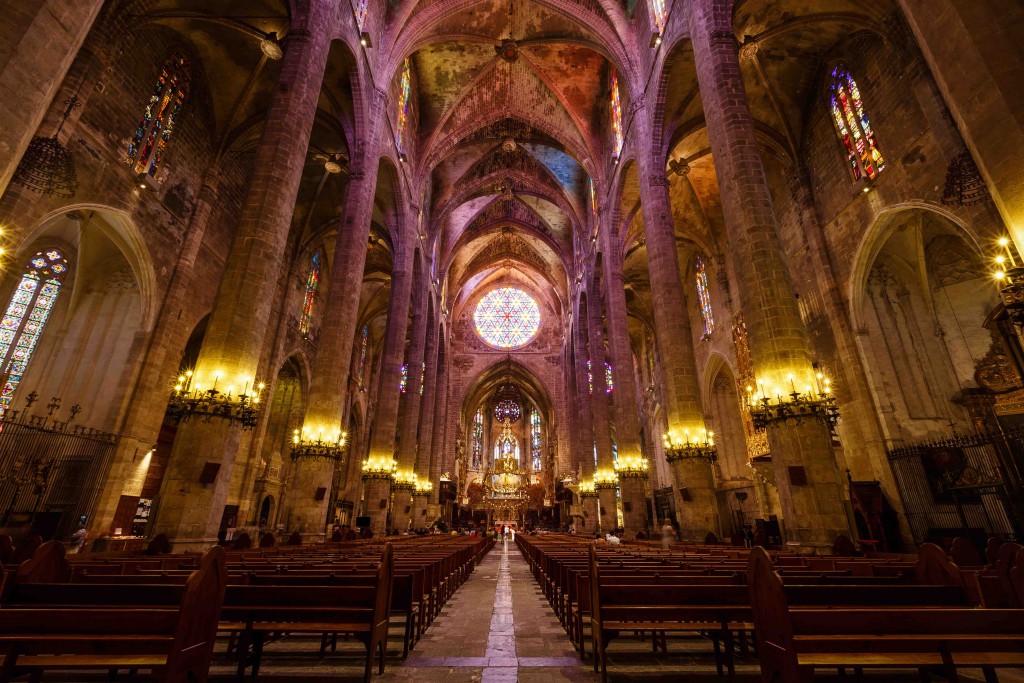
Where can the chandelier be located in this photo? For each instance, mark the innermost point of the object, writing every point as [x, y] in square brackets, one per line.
[330, 446]
[48, 167]
[188, 400]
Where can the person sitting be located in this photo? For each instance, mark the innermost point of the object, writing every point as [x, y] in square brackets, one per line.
[612, 539]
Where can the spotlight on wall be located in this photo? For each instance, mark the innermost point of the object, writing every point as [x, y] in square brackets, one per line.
[141, 180]
[364, 39]
[655, 39]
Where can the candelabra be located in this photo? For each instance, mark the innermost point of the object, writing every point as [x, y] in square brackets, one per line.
[774, 406]
[1010, 277]
[586, 489]
[190, 400]
[690, 447]
[424, 487]
[404, 481]
[331, 448]
[376, 467]
[605, 480]
[631, 466]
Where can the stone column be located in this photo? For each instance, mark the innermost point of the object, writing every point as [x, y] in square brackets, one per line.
[409, 411]
[604, 477]
[46, 38]
[190, 511]
[421, 499]
[383, 440]
[591, 514]
[147, 402]
[672, 328]
[814, 500]
[439, 425]
[329, 384]
[624, 398]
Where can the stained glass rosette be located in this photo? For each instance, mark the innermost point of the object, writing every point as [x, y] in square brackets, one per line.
[507, 318]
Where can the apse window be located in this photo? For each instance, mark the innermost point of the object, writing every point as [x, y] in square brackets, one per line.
[507, 318]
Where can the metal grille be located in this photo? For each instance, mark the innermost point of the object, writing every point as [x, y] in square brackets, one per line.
[50, 469]
[960, 483]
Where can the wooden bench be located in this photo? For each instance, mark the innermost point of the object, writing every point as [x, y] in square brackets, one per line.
[793, 642]
[174, 641]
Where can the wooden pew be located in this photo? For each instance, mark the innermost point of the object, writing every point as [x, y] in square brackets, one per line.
[793, 642]
[174, 640]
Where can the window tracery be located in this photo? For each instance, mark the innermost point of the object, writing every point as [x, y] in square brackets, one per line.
[404, 99]
[26, 315]
[507, 318]
[853, 125]
[149, 142]
[659, 13]
[616, 107]
[704, 296]
[364, 343]
[309, 299]
[535, 440]
[477, 449]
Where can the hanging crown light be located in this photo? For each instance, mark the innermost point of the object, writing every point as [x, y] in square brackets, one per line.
[48, 167]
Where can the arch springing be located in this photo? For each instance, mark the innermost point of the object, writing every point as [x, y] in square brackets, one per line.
[853, 125]
[149, 142]
[26, 315]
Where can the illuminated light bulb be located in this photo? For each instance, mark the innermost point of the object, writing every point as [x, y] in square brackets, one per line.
[181, 378]
[262, 386]
[1003, 241]
[820, 376]
[188, 374]
[749, 388]
[1000, 259]
[1000, 275]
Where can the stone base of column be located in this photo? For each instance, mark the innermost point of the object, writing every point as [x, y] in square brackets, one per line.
[633, 491]
[812, 490]
[609, 510]
[401, 509]
[699, 513]
[376, 499]
[189, 511]
[765, 490]
[591, 516]
[420, 509]
[305, 513]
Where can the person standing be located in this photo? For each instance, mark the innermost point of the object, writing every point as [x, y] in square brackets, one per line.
[668, 535]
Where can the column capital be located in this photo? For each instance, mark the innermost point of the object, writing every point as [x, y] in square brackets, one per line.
[657, 180]
[723, 37]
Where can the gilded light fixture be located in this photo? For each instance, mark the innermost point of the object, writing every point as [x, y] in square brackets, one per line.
[698, 445]
[319, 444]
[376, 467]
[188, 399]
[631, 466]
[769, 405]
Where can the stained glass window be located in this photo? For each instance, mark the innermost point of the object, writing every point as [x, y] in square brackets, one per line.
[360, 10]
[659, 12]
[704, 296]
[617, 139]
[423, 376]
[403, 106]
[26, 315]
[853, 126]
[478, 439]
[609, 382]
[593, 199]
[590, 377]
[149, 142]
[404, 381]
[507, 446]
[364, 343]
[535, 440]
[507, 318]
[309, 300]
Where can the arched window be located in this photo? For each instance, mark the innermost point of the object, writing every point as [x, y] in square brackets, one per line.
[26, 316]
[593, 199]
[404, 381]
[853, 125]
[704, 296]
[659, 14]
[360, 10]
[617, 139]
[423, 376]
[535, 440]
[590, 377]
[609, 382]
[309, 300]
[477, 449]
[404, 87]
[364, 344]
[149, 142]
[507, 446]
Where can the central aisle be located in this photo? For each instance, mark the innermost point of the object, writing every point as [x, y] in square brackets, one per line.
[497, 628]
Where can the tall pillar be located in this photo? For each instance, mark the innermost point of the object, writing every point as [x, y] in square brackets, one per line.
[409, 410]
[440, 422]
[632, 463]
[694, 477]
[191, 505]
[605, 480]
[147, 402]
[814, 499]
[46, 38]
[423, 495]
[588, 498]
[383, 440]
